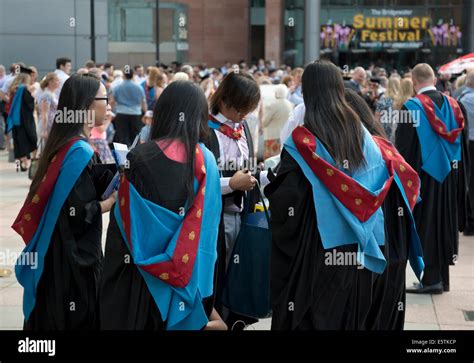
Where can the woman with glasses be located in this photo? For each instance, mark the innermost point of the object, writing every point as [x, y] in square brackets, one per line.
[98, 138]
[61, 219]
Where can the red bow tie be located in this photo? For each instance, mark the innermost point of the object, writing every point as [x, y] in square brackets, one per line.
[235, 134]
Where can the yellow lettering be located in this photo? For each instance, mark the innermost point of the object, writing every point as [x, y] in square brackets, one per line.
[358, 21]
[384, 23]
[365, 35]
[425, 21]
[415, 23]
[370, 23]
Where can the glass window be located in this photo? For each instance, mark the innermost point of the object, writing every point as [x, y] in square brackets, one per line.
[136, 25]
[132, 21]
[293, 53]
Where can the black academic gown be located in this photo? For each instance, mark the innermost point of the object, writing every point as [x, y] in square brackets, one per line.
[306, 293]
[442, 211]
[24, 135]
[68, 289]
[388, 305]
[125, 301]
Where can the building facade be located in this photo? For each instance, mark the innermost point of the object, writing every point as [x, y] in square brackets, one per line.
[37, 32]
[394, 33]
[390, 33]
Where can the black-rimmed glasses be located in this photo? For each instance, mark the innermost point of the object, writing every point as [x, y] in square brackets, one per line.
[102, 98]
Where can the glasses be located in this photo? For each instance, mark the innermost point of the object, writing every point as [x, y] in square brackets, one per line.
[102, 98]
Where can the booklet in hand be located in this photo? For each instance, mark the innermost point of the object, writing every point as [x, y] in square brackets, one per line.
[113, 186]
[120, 155]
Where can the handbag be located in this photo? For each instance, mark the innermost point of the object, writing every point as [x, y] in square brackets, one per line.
[247, 281]
[35, 161]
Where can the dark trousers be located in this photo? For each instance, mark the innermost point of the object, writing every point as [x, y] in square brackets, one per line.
[127, 127]
[435, 274]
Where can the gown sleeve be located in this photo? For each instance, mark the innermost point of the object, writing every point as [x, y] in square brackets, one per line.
[81, 221]
[406, 141]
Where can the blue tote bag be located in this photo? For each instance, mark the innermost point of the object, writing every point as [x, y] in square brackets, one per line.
[247, 281]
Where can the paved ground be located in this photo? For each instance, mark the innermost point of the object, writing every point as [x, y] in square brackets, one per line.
[424, 312]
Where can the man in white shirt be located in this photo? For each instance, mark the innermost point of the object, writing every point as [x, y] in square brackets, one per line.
[296, 119]
[63, 69]
[232, 145]
[139, 74]
[295, 95]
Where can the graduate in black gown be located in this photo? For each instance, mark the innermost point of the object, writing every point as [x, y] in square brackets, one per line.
[20, 118]
[434, 141]
[330, 186]
[389, 298]
[231, 143]
[162, 175]
[61, 220]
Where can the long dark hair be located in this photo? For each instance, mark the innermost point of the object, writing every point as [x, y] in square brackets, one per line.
[237, 90]
[364, 112]
[77, 94]
[329, 117]
[181, 113]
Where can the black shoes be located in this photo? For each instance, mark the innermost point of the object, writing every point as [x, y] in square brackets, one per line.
[428, 289]
[469, 231]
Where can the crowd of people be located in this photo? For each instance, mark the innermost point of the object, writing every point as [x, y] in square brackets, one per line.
[385, 92]
[360, 162]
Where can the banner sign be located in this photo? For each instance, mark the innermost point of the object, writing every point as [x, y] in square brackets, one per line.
[389, 28]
